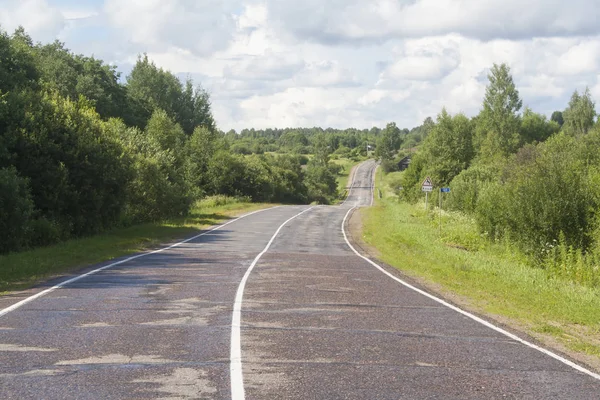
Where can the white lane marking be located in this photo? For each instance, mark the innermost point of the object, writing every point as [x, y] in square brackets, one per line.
[465, 313]
[235, 366]
[62, 284]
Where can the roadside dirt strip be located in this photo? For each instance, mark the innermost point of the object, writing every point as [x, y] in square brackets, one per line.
[313, 321]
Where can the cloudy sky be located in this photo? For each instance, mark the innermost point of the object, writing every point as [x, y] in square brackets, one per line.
[338, 63]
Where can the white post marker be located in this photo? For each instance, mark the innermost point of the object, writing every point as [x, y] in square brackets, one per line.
[427, 187]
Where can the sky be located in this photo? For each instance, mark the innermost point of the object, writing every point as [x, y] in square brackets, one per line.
[336, 63]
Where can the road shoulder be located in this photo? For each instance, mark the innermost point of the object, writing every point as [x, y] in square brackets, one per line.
[355, 236]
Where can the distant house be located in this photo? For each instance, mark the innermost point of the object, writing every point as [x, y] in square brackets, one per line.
[404, 163]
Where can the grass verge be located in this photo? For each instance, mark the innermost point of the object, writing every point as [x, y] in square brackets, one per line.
[490, 278]
[26, 269]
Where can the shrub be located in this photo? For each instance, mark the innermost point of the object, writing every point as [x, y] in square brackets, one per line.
[468, 185]
[544, 192]
[16, 209]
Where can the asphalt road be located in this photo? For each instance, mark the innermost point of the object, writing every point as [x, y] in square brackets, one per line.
[317, 322]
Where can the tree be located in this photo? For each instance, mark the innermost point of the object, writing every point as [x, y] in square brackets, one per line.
[388, 142]
[557, 116]
[152, 88]
[580, 114]
[76, 170]
[202, 146]
[536, 128]
[17, 63]
[449, 147]
[16, 210]
[321, 150]
[499, 121]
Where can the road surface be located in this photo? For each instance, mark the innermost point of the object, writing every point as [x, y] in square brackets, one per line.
[275, 305]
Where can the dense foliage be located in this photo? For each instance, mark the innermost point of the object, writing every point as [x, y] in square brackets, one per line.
[527, 179]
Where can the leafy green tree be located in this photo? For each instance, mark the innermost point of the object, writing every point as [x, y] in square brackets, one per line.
[73, 75]
[17, 63]
[159, 188]
[321, 183]
[499, 121]
[288, 180]
[16, 210]
[151, 88]
[388, 142]
[557, 116]
[201, 147]
[545, 193]
[536, 128]
[580, 114]
[468, 186]
[76, 173]
[449, 147]
[322, 150]
[412, 178]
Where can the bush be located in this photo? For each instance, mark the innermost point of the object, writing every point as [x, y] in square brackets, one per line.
[76, 172]
[389, 166]
[44, 232]
[16, 209]
[321, 183]
[468, 185]
[545, 192]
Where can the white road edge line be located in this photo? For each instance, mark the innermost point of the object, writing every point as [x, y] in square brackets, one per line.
[62, 284]
[235, 366]
[465, 313]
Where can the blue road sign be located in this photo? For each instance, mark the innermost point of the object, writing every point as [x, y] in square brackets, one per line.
[445, 190]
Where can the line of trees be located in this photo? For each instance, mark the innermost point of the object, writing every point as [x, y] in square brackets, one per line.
[351, 143]
[527, 179]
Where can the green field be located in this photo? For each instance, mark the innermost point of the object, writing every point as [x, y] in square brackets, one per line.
[25, 269]
[492, 278]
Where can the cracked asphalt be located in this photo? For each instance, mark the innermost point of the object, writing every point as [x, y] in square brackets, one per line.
[318, 322]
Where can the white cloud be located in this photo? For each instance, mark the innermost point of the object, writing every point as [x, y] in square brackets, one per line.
[362, 21]
[155, 25]
[266, 67]
[325, 73]
[41, 20]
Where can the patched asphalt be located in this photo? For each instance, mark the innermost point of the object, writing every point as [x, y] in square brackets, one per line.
[318, 322]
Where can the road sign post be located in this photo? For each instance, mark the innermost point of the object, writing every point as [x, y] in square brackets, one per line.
[427, 187]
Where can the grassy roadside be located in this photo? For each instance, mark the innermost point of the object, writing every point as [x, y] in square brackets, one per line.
[25, 269]
[490, 278]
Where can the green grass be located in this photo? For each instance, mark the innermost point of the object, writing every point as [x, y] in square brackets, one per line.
[493, 278]
[28, 268]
